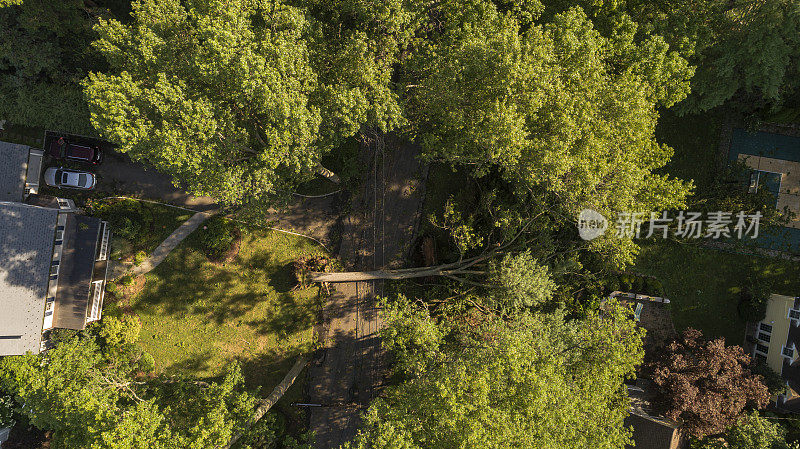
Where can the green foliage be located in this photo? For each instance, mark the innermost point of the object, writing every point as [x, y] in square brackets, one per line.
[126, 280]
[754, 298]
[355, 45]
[120, 331]
[744, 51]
[217, 236]
[271, 433]
[538, 381]
[44, 52]
[139, 257]
[6, 411]
[524, 283]
[240, 99]
[138, 226]
[774, 382]
[87, 397]
[751, 432]
[493, 94]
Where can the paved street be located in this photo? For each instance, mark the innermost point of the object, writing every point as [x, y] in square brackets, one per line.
[375, 235]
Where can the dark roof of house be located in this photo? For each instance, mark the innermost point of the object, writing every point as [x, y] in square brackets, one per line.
[651, 433]
[75, 276]
[26, 251]
[13, 166]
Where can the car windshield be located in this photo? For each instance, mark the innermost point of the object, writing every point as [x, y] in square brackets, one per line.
[82, 180]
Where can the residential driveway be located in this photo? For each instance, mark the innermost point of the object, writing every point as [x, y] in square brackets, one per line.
[119, 174]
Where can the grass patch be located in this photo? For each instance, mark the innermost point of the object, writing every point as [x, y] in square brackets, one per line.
[695, 139]
[703, 284]
[198, 316]
[137, 225]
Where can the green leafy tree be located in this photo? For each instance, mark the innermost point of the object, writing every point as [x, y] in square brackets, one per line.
[120, 331]
[745, 51]
[355, 46]
[213, 92]
[523, 281]
[538, 381]
[751, 432]
[88, 396]
[44, 53]
[555, 107]
[240, 99]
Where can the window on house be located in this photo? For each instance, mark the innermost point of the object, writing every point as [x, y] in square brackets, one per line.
[762, 348]
[761, 357]
[788, 352]
[794, 314]
[763, 336]
[765, 327]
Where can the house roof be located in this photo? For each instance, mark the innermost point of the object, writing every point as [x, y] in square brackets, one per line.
[651, 433]
[77, 264]
[13, 167]
[26, 250]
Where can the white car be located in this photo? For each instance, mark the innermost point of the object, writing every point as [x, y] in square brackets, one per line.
[64, 178]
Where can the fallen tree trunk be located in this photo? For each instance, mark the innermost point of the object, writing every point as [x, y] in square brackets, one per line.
[450, 270]
[329, 175]
[265, 404]
[356, 276]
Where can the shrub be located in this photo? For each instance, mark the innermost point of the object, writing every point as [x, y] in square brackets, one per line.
[112, 288]
[120, 247]
[217, 237]
[753, 299]
[772, 380]
[121, 331]
[126, 280]
[59, 335]
[147, 363]
[6, 411]
[140, 257]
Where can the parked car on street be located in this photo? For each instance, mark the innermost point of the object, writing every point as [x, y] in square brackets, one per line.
[62, 148]
[69, 179]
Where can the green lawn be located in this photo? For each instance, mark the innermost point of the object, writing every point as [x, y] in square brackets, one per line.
[198, 316]
[703, 284]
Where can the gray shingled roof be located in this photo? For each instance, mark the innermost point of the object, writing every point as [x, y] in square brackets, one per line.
[26, 249]
[13, 165]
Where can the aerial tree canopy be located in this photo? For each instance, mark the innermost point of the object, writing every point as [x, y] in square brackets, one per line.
[537, 381]
[44, 53]
[751, 432]
[704, 384]
[240, 99]
[745, 51]
[215, 93]
[87, 392]
[555, 106]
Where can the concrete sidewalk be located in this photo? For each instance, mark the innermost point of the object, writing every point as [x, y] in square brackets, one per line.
[162, 251]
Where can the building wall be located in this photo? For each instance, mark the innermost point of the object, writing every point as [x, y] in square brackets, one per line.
[778, 318]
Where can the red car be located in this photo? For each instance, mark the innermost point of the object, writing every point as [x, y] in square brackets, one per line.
[62, 148]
